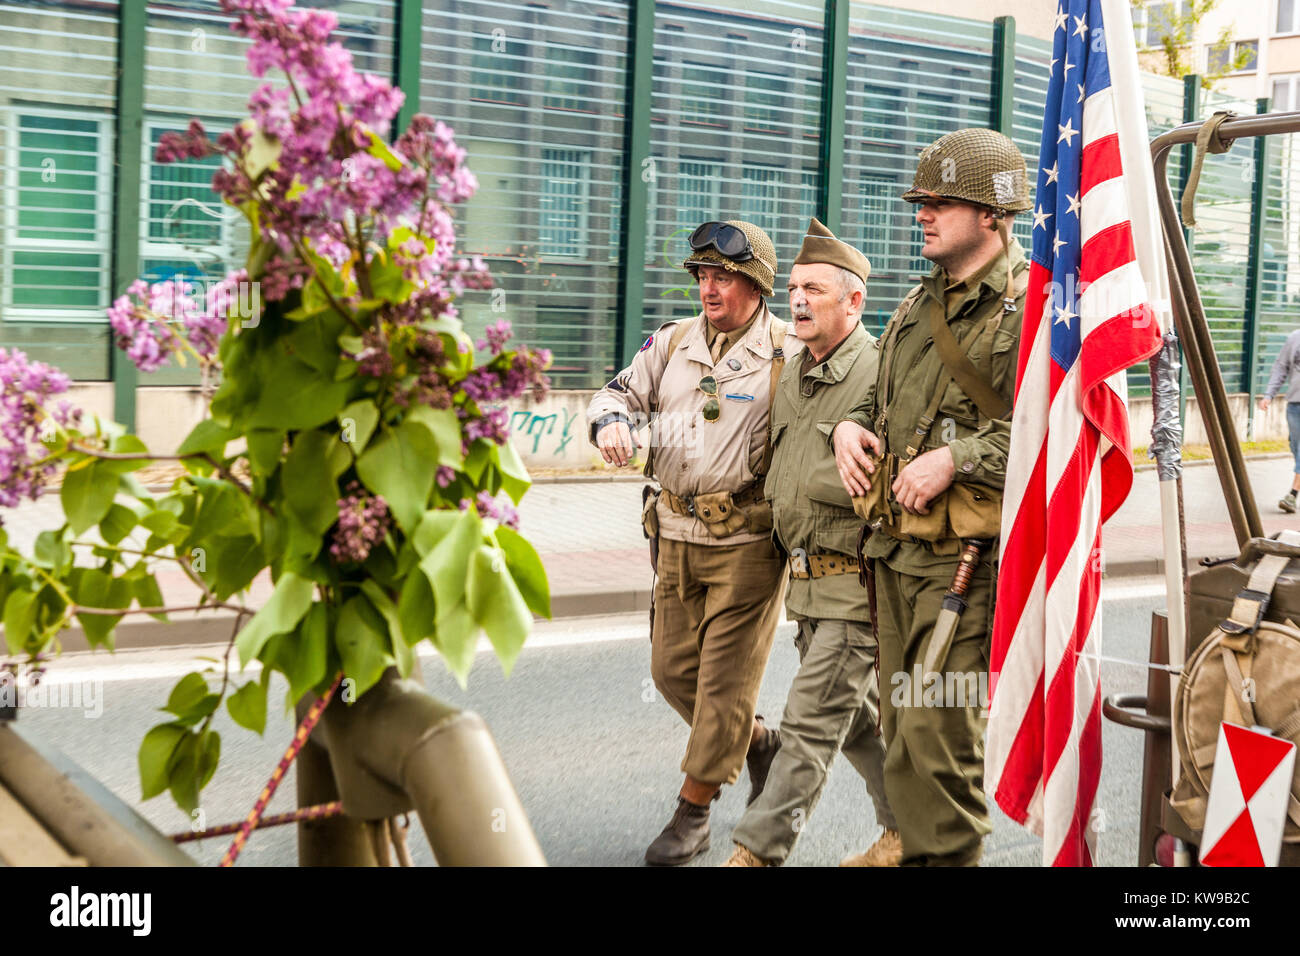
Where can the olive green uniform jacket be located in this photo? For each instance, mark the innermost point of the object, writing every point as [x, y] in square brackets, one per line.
[810, 508]
[979, 445]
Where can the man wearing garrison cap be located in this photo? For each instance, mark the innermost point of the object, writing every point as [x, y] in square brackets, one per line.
[833, 704]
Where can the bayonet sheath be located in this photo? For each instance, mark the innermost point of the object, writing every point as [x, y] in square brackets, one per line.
[954, 603]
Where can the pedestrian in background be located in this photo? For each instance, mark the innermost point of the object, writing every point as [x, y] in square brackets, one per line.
[705, 384]
[1286, 371]
[834, 702]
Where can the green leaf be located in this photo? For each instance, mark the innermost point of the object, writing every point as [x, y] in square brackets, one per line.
[457, 639]
[310, 480]
[400, 465]
[304, 653]
[247, 706]
[87, 494]
[183, 772]
[358, 421]
[479, 457]
[362, 643]
[117, 524]
[53, 552]
[514, 475]
[155, 756]
[385, 606]
[286, 606]
[433, 528]
[444, 426]
[92, 587]
[209, 756]
[148, 594]
[223, 512]
[19, 619]
[526, 568]
[124, 445]
[207, 436]
[383, 152]
[496, 605]
[231, 564]
[191, 700]
[447, 563]
[264, 448]
[415, 609]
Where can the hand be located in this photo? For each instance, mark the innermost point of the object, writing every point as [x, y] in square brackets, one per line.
[923, 478]
[849, 439]
[1262, 402]
[616, 443]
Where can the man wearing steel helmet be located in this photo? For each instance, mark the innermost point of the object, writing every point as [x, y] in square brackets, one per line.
[705, 385]
[924, 455]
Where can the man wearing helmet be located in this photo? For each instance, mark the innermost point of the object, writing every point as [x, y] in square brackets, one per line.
[924, 455]
[705, 385]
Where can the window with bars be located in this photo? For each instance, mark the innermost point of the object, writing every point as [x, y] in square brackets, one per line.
[934, 114]
[881, 111]
[764, 93]
[760, 196]
[569, 77]
[57, 235]
[565, 182]
[879, 206]
[698, 193]
[495, 70]
[807, 197]
[187, 228]
[1285, 96]
[701, 102]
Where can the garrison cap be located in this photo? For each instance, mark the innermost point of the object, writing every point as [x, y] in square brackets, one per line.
[761, 268]
[820, 245]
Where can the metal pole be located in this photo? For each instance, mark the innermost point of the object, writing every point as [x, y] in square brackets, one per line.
[406, 62]
[1002, 106]
[127, 157]
[835, 65]
[1254, 263]
[1191, 112]
[638, 171]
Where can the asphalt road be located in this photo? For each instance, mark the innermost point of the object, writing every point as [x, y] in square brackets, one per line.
[593, 751]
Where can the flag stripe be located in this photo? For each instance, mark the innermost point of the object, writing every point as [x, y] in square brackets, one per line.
[1089, 316]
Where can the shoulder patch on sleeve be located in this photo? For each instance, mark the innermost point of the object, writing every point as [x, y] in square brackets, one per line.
[648, 342]
[619, 384]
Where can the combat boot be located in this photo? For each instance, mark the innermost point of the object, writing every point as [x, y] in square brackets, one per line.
[886, 851]
[743, 856]
[685, 837]
[759, 760]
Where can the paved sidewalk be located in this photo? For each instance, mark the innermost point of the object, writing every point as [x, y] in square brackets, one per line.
[589, 535]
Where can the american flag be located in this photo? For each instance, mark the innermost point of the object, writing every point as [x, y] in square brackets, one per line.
[1088, 316]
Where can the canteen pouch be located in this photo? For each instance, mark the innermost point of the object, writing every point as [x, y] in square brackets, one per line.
[974, 511]
[720, 515]
[875, 503]
[649, 513]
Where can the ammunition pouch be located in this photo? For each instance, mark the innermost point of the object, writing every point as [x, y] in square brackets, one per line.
[649, 513]
[724, 513]
[962, 511]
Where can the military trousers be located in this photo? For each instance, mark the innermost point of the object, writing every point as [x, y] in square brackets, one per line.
[716, 609]
[934, 730]
[833, 706]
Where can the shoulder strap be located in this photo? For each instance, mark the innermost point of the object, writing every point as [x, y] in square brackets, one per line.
[922, 430]
[675, 340]
[961, 368]
[679, 333]
[779, 331]
[886, 342]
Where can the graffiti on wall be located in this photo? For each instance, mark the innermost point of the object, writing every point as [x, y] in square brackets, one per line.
[526, 424]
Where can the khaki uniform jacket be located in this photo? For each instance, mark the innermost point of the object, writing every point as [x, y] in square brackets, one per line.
[810, 508]
[979, 445]
[693, 456]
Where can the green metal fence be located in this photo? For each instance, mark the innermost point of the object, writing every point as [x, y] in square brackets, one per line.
[601, 132]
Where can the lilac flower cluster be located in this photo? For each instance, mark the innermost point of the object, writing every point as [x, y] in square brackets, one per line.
[150, 319]
[363, 522]
[496, 337]
[25, 387]
[487, 506]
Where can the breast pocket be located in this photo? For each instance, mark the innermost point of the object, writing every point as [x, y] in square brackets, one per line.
[822, 479]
